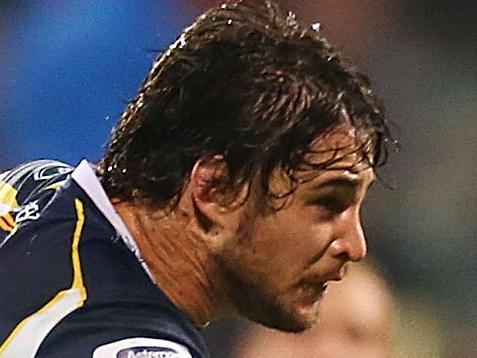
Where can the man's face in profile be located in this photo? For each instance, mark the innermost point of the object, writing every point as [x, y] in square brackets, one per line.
[282, 260]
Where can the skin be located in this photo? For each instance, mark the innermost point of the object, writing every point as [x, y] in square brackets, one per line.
[355, 321]
[224, 252]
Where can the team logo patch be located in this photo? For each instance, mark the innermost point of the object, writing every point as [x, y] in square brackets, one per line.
[142, 348]
[48, 172]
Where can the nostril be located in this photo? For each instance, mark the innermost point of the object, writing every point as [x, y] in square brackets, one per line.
[349, 249]
[341, 250]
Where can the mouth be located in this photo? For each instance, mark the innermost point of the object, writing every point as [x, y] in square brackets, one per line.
[323, 287]
[315, 290]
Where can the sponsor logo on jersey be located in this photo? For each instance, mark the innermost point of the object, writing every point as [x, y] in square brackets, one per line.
[148, 352]
[141, 347]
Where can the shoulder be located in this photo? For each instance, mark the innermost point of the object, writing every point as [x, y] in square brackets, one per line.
[131, 329]
[96, 297]
[19, 183]
[124, 314]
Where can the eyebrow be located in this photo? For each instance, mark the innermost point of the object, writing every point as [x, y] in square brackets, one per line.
[351, 183]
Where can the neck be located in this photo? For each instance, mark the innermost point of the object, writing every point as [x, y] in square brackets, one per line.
[179, 261]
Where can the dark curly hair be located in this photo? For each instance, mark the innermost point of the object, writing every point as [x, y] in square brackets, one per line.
[248, 82]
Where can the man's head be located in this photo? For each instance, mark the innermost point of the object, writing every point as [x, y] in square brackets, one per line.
[269, 140]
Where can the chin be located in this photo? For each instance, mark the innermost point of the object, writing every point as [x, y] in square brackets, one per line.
[282, 317]
[294, 311]
[291, 323]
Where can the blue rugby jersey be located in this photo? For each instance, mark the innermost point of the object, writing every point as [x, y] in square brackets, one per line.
[72, 282]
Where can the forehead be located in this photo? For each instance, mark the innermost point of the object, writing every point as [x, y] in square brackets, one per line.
[339, 154]
[341, 149]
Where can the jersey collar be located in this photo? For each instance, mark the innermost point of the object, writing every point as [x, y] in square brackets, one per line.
[86, 178]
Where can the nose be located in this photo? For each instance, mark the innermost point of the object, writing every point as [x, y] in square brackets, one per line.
[351, 241]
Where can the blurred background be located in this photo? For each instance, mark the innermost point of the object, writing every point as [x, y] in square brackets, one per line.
[67, 69]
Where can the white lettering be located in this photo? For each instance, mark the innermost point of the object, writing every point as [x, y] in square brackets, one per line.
[28, 212]
[148, 354]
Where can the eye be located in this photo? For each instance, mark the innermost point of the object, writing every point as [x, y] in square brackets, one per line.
[332, 204]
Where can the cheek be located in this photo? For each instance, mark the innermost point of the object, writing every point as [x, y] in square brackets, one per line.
[301, 233]
[268, 252]
[282, 238]
[289, 242]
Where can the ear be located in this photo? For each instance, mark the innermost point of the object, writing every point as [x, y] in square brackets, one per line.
[217, 202]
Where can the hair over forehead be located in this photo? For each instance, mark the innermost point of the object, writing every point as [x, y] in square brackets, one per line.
[250, 82]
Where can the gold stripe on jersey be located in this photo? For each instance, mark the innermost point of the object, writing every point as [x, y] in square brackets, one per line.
[75, 256]
[8, 195]
[30, 333]
[9, 219]
[4, 226]
[7, 222]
